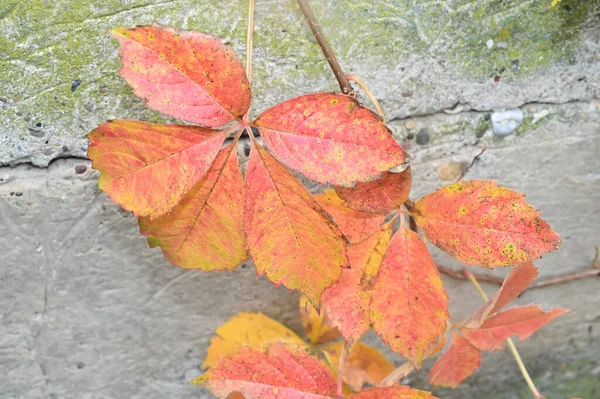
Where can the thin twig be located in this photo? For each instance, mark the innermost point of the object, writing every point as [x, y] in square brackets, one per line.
[473, 162]
[369, 94]
[325, 47]
[511, 344]
[249, 36]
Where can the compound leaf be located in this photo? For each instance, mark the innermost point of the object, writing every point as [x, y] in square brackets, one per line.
[393, 392]
[290, 237]
[364, 364]
[480, 223]
[378, 196]
[205, 230]
[514, 284]
[276, 372]
[458, 363]
[522, 321]
[147, 168]
[189, 75]
[248, 329]
[316, 324]
[347, 301]
[355, 225]
[330, 138]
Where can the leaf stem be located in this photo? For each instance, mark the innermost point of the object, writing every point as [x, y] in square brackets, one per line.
[369, 94]
[397, 374]
[325, 46]
[341, 365]
[249, 37]
[510, 343]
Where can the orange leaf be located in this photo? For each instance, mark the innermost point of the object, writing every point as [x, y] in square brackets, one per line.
[147, 168]
[290, 237]
[189, 75]
[248, 329]
[275, 373]
[364, 364]
[378, 196]
[204, 231]
[393, 392]
[330, 138]
[317, 325]
[522, 321]
[347, 301]
[457, 364]
[480, 223]
[515, 283]
[355, 225]
[409, 307]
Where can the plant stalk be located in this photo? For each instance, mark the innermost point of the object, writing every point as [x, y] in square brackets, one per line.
[249, 36]
[345, 86]
[341, 365]
[510, 342]
[369, 94]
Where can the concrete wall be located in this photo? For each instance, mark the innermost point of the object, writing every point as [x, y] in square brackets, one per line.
[89, 311]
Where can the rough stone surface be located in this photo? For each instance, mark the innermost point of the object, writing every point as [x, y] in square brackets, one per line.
[418, 57]
[88, 311]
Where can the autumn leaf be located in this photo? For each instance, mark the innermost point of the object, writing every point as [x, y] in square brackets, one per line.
[364, 364]
[330, 138]
[522, 321]
[355, 225]
[204, 231]
[457, 364]
[147, 168]
[290, 237]
[248, 329]
[317, 325]
[347, 301]
[276, 372]
[393, 392]
[480, 223]
[378, 196]
[409, 309]
[514, 284]
[189, 75]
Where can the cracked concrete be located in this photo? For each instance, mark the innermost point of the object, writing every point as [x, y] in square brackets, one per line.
[88, 311]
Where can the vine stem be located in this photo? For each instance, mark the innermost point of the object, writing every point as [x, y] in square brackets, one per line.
[510, 343]
[369, 94]
[325, 46]
[249, 37]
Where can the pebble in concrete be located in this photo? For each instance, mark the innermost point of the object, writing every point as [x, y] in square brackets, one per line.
[506, 122]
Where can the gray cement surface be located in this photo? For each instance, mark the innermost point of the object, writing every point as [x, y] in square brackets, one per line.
[88, 311]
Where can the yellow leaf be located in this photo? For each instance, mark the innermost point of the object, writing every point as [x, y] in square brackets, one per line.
[364, 365]
[554, 2]
[248, 329]
[317, 326]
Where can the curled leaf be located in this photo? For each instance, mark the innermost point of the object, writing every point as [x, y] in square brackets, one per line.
[290, 237]
[480, 223]
[273, 373]
[248, 329]
[146, 167]
[189, 75]
[330, 138]
[204, 231]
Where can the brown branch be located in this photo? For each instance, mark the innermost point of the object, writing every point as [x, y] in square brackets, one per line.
[325, 47]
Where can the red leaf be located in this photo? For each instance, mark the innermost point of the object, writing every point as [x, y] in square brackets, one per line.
[279, 372]
[347, 301]
[378, 196]
[330, 138]
[393, 392]
[355, 225]
[522, 321]
[290, 237]
[204, 231]
[457, 364]
[147, 168]
[515, 283]
[480, 223]
[189, 75]
[409, 309]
